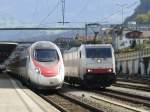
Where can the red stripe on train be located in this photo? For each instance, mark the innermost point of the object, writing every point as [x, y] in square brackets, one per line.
[99, 70]
[47, 71]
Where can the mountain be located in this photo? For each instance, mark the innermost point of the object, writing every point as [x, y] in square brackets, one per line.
[41, 35]
[141, 14]
[52, 36]
[32, 36]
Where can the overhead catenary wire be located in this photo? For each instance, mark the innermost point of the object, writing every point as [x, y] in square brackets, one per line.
[118, 11]
[36, 7]
[84, 7]
[50, 13]
[63, 13]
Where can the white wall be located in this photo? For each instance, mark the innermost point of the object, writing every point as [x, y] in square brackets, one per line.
[133, 66]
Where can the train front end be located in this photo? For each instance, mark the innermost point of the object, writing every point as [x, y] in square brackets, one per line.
[46, 66]
[100, 65]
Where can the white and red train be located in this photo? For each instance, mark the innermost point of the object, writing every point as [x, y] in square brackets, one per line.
[91, 65]
[40, 64]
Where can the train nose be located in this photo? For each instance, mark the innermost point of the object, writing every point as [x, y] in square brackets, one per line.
[49, 72]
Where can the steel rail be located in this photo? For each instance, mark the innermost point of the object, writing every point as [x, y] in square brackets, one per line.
[136, 87]
[119, 104]
[126, 97]
[72, 100]
[53, 103]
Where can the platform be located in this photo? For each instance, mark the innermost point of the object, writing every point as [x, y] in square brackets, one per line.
[14, 97]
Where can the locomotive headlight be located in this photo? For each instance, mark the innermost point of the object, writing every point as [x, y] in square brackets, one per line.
[37, 70]
[110, 70]
[98, 60]
[89, 70]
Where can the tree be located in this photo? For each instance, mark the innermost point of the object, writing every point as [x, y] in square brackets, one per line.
[143, 18]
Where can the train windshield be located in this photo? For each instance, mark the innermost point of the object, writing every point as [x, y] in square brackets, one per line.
[98, 53]
[46, 55]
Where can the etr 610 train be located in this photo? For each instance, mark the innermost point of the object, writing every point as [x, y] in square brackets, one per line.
[39, 64]
[90, 65]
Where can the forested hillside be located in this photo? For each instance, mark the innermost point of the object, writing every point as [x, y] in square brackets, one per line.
[142, 13]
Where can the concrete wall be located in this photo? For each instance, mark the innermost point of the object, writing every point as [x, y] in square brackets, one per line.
[133, 66]
[136, 62]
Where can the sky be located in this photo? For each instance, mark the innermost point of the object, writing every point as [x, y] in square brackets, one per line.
[48, 12]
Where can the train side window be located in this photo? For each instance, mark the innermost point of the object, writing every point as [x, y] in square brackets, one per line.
[80, 54]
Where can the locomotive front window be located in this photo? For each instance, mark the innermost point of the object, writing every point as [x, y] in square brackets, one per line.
[98, 53]
[46, 55]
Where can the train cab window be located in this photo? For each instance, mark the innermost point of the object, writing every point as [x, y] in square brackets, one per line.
[46, 55]
[98, 53]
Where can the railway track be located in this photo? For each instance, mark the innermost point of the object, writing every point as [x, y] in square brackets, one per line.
[133, 86]
[128, 101]
[136, 81]
[66, 103]
[127, 97]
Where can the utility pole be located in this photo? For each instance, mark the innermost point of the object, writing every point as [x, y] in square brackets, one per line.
[122, 11]
[63, 8]
[86, 31]
[63, 11]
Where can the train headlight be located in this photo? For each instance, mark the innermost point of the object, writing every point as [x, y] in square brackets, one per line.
[89, 70]
[98, 60]
[37, 70]
[110, 70]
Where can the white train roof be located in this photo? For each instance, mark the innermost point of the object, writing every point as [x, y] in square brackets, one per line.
[96, 45]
